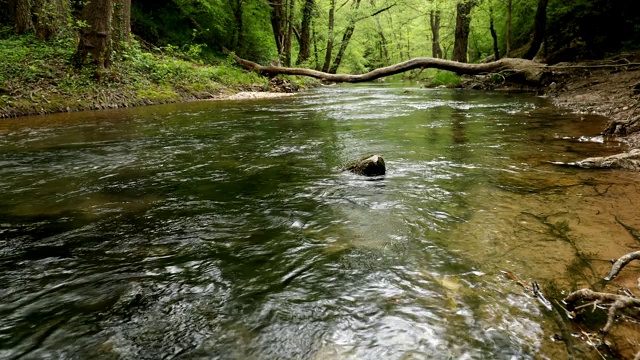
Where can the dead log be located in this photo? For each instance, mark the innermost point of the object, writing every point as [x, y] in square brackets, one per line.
[531, 71]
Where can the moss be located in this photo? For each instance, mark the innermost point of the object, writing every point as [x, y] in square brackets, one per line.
[160, 95]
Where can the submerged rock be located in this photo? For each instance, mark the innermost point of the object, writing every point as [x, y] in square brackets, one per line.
[370, 165]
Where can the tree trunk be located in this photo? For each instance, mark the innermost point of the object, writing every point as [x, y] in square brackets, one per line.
[287, 42]
[47, 17]
[507, 52]
[236, 8]
[346, 37]
[463, 22]
[494, 35]
[539, 27]
[315, 46]
[279, 23]
[120, 23]
[305, 32]
[327, 56]
[530, 71]
[23, 21]
[95, 39]
[434, 20]
[384, 52]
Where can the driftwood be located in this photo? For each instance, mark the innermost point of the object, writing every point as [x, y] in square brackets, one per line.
[628, 161]
[530, 71]
[616, 302]
[620, 263]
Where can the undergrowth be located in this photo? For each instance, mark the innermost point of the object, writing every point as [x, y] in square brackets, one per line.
[37, 77]
[434, 78]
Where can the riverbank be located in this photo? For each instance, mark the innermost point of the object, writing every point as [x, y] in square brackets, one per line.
[36, 77]
[605, 88]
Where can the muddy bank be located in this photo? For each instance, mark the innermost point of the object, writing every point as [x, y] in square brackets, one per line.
[609, 87]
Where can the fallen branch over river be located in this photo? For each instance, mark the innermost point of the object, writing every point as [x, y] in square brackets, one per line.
[530, 71]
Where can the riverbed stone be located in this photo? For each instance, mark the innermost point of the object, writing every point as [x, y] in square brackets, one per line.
[370, 165]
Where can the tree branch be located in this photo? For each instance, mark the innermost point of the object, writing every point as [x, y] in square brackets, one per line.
[376, 12]
[618, 302]
[532, 71]
[620, 263]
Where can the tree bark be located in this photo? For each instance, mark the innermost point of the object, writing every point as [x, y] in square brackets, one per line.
[539, 27]
[237, 9]
[434, 20]
[287, 42]
[494, 35]
[530, 70]
[95, 39]
[278, 23]
[305, 32]
[327, 56]
[346, 37]
[507, 52]
[384, 51]
[120, 23]
[23, 21]
[463, 22]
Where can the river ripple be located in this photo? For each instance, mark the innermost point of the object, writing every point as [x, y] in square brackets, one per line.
[226, 230]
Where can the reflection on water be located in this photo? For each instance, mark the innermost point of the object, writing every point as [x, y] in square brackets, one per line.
[226, 230]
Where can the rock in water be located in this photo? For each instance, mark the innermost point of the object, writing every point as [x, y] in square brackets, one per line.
[370, 165]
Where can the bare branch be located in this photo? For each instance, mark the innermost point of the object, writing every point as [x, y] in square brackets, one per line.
[620, 263]
[618, 302]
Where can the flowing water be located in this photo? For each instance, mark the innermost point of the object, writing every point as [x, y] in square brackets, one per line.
[227, 230]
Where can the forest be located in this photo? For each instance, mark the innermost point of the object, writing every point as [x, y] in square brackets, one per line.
[351, 36]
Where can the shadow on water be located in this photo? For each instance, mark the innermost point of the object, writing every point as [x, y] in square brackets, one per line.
[226, 230]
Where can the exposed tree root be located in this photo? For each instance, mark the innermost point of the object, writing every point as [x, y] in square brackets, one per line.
[531, 71]
[620, 263]
[628, 161]
[616, 302]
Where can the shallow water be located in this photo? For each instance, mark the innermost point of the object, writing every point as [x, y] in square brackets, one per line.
[226, 230]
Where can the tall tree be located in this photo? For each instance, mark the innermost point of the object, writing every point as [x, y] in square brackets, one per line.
[237, 10]
[287, 43]
[22, 16]
[463, 22]
[539, 27]
[494, 35]
[279, 23]
[305, 32]
[507, 52]
[44, 17]
[95, 39]
[434, 21]
[121, 22]
[327, 56]
[346, 37]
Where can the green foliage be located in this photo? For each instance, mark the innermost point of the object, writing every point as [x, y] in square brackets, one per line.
[442, 78]
[37, 76]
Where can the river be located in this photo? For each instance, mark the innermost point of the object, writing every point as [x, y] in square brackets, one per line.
[226, 230]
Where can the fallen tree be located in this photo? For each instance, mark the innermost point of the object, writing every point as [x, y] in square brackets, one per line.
[530, 71]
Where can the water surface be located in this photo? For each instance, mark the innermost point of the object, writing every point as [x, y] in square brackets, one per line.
[227, 230]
